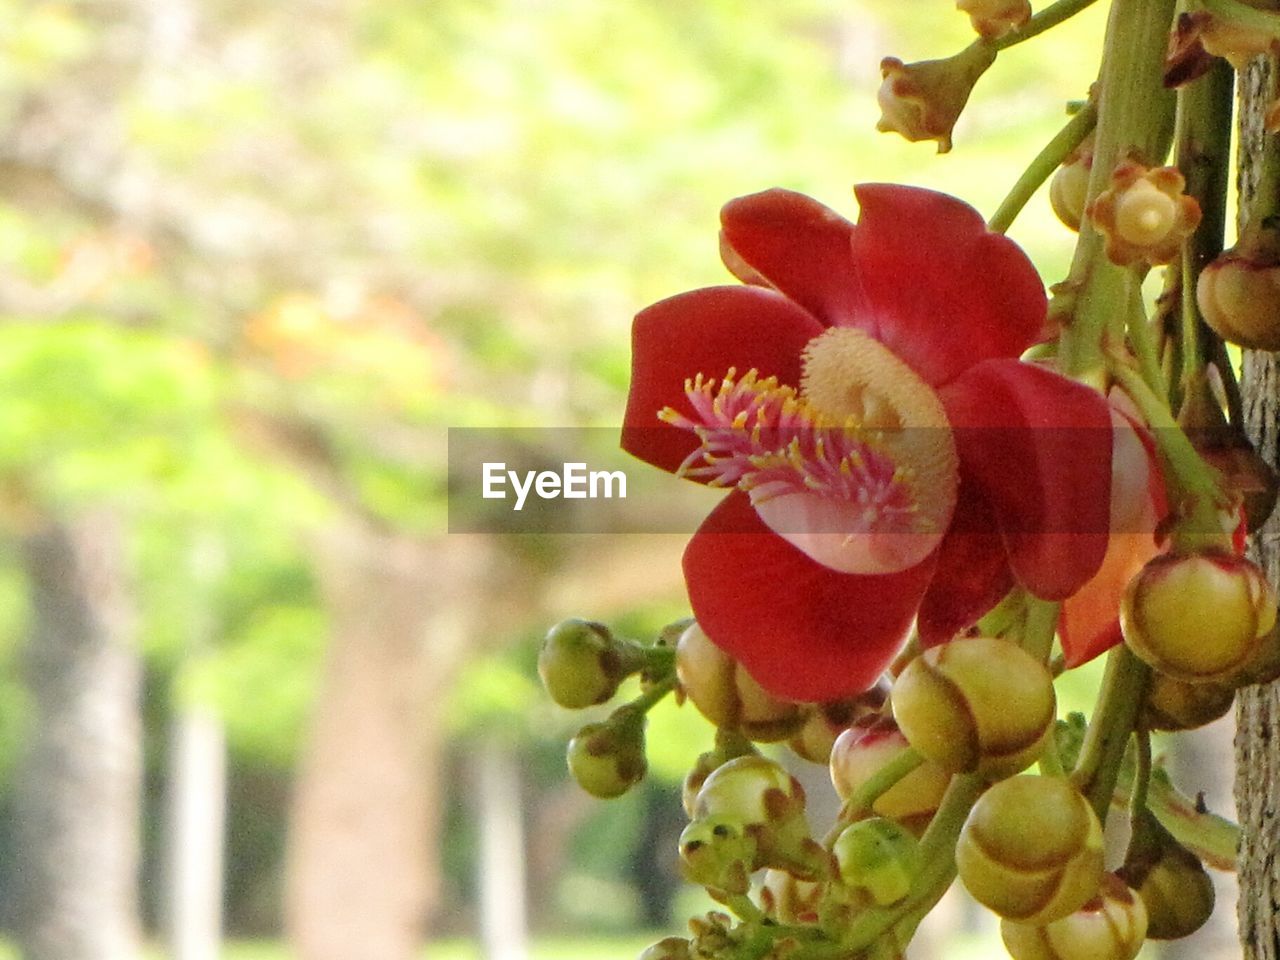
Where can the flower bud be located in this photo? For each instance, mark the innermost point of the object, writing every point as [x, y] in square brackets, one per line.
[994, 18]
[1069, 188]
[1177, 705]
[1197, 617]
[607, 759]
[668, 948]
[719, 852]
[727, 695]
[879, 857]
[1233, 40]
[754, 789]
[977, 703]
[1031, 850]
[789, 900]
[1145, 214]
[1239, 297]
[922, 101]
[1111, 926]
[863, 751]
[582, 664]
[1176, 890]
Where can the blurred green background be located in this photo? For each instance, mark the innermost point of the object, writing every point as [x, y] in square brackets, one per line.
[255, 259]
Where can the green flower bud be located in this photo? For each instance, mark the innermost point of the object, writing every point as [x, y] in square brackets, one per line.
[976, 704]
[1176, 890]
[668, 948]
[1031, 850]
[582, 664]
[1197, 617]
[727, 695]
[790, 900]
[754, 789]
[863, 751]
[1111, 926]
[879, 857]
[607, 759]
[719, 852]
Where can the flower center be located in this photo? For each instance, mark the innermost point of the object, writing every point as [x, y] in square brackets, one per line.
[858, 470]
[1145, 214]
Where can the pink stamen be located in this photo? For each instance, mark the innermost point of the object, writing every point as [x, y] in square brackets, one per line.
[765, 439]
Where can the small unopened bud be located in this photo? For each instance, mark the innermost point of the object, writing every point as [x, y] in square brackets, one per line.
[1111, 926]
[1176, 890]
[977, 703]
[879, 857]
[1197, 617]
[1069, 188]
[994, 18]
[1235, 41]
[1031, 850]
[582, 664]
[1239, 297]
[789, 900]
[727, 695]
[863, 751]
[922, 101]
[1178, 705]
[754, 789]
[719, 852]
[607, 759]
[668, 948]
[1145, 215]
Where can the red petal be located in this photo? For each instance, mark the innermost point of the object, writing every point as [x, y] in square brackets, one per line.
[705, 331]
[803, 631]
[1089, 624]
[973, 572]
[936, 287]
[798, 245]
[1039, 448]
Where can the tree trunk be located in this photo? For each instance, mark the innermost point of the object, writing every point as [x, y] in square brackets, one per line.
[77, 793]
[1258, 708]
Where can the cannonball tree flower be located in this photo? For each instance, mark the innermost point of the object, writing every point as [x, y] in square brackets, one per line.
[890, 457]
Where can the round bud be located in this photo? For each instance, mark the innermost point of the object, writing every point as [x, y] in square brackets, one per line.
[1031, 850]
[976, 703]
[1111, 926]
[1176, 890]
[1239, 297]
[1069, 189]
[879, 857]
[863, 751]
[1197, 617]
[719, 853]
[753, 789]
[607, 759]
[787, 899]
[1177, 705]
[727, 695]
[581, 664]
[668, 948]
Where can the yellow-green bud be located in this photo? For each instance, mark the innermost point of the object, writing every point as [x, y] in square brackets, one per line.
[727, 695]
[1111, 926]
[879, 857]
[1198, 616]
[607, 759]
[668, 948]
[581, 663]
[1176, 890]
[1031, 850]
[790, 900]
[1178, 705]
[976, 704]
[753, 788]
[863, 751]
[1069, 189]
[719, 852]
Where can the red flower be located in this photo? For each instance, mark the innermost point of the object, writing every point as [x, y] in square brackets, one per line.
[891, 455]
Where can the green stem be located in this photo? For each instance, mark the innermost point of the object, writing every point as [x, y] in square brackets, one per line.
[653, 694]
[1123, 685]
[1039, 627]
[1042, 167]
[1135, 116]
[1050, 16]
[1140, 338]
[1142, 774]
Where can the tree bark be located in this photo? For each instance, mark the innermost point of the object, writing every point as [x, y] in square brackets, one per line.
[77, 792]
[1257, 786]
